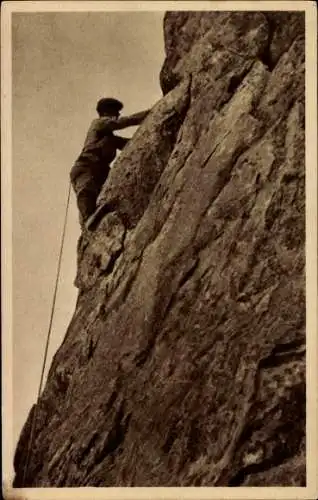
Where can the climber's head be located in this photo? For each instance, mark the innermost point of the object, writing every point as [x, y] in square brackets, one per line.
[109, 107]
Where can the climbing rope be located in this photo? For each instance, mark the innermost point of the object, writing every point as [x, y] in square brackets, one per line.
[49, 331]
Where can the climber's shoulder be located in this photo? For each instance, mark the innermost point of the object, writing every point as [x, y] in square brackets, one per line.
[104, 123]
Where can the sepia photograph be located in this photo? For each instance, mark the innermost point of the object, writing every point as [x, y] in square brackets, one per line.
[159, 249]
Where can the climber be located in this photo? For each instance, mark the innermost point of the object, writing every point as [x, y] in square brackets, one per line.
[93, 164]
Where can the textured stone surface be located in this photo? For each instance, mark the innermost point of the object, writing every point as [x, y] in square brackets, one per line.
[184, 363]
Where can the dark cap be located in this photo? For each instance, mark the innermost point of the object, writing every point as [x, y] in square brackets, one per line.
[107, 104]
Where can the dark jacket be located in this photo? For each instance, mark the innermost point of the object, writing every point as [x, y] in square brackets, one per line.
[101, 144]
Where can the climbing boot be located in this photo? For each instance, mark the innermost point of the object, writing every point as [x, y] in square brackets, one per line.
[96, 217]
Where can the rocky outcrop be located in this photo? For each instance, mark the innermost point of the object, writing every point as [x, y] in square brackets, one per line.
[184, 363]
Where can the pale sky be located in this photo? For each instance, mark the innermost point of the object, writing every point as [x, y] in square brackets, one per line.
[62, 64]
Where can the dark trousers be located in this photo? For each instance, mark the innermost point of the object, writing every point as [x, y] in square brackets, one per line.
[87, 177]
[87, 190]
[86, 202]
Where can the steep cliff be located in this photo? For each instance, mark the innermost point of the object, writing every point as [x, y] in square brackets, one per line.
[184, 363]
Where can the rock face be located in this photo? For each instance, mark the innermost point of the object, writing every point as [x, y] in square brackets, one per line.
[184, 363]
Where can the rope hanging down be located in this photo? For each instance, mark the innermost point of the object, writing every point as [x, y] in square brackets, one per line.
[49, 331]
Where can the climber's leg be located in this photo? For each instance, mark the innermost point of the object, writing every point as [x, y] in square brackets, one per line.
[86, 190]
[86, 202]
[101, 209]
[87, 181]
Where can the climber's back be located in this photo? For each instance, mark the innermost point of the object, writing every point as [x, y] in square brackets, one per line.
[101, 140]
[97, 130]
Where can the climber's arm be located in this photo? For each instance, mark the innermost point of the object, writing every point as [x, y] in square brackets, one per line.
[126, 121]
